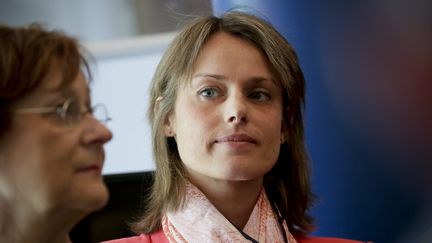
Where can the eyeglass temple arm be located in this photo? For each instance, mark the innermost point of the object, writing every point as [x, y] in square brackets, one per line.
[35, 110]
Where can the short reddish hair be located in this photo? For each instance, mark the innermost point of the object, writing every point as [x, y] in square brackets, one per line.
[27, 56]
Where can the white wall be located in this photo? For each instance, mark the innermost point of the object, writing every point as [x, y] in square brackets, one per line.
[118, 34]
[121, 81]
[99, 20]
[88, 20]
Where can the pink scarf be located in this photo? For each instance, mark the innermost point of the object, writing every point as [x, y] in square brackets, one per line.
[200, 221]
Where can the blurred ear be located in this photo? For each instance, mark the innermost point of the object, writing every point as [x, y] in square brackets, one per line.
[283, 137]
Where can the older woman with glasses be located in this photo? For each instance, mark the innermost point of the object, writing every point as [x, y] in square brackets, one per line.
[51, 143]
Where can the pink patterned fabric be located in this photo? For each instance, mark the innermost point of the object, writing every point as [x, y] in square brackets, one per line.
[200, 221]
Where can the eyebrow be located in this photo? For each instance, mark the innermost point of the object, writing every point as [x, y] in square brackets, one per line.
[68, 93]
[215, 76]
[258, 79]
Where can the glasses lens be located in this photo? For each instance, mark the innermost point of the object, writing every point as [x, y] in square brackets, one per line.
[73, 112]
[100, 112]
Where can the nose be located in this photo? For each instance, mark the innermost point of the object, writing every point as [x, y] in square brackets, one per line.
[236, 110]
[95, 132]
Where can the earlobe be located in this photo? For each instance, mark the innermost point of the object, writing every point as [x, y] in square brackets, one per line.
[168, 131]
[168, 127]
[284, 132]
[283, 138]
[287, 123]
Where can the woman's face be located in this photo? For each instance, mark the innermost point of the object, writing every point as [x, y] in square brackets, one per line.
[50, 166]
[228, 121]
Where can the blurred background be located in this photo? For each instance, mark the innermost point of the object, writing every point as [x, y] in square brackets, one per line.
[368, 66]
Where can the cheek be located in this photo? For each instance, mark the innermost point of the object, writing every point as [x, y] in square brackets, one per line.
[194, 126]
[272, 128]
[192, 121]
[58, 149]
[272, 124]
[50, 154]
[40, 169]
[56, 157]
[274, 134]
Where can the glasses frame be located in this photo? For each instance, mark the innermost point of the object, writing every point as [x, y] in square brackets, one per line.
[62, 111]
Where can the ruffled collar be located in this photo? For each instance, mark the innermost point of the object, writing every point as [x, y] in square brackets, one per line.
[200, 221]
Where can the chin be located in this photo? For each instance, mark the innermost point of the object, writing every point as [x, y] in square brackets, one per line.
[100, 198]
[245, 170]
[93, 198]
[244, 173]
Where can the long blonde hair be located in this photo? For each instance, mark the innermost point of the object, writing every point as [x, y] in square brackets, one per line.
[287, 184]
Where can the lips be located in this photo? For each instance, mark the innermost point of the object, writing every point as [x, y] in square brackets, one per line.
[89, 168]
[237, 138]
[93, 164]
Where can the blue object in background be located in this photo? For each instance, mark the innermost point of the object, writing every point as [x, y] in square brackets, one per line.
[362, 145]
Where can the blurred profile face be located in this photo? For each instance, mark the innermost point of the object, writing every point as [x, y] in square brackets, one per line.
[227, 121]
[53, 166]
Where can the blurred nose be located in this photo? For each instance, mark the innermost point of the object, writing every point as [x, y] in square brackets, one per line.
[236, 110]
[95, 132]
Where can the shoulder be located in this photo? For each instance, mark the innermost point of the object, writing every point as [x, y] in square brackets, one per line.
[156, 237]
[133, 239]
[326, 240]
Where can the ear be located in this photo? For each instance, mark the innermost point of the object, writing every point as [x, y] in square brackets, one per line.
[283, 133]
[285, 127]
[168, 123]
[169, 126]
[283, 137]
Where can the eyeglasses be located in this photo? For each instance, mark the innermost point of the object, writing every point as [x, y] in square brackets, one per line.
[70, 112]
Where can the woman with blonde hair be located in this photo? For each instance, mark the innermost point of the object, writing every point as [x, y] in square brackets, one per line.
[228, 138]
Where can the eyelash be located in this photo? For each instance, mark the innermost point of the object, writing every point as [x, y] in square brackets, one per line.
[253, 95]
[209, 89]
[260, 92]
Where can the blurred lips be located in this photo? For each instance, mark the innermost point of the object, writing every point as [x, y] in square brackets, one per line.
[91, 168]
[94, 166]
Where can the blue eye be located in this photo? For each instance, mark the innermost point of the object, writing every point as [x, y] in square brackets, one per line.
[259, 96]
[208, 92]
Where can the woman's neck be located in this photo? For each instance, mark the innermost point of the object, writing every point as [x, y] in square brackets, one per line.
[235, 200]
[21, 225]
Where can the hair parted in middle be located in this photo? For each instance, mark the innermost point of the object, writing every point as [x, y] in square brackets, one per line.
[287, 184]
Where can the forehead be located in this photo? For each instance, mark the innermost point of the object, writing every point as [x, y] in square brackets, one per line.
[54, 85]
[227, 54]
[226, 44]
